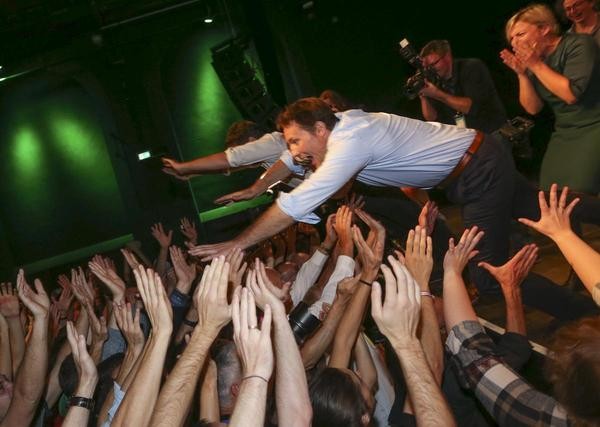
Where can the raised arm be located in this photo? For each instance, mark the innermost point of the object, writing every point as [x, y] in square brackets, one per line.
[10, 309]
[419, 262]
[528, 97]
[31, 378]
[555, 223]
[164, 241]
[5, 356]
[291, 388]
[256, 356]
[370, 257]
[213, 313]
[138, 404]
[398, 319]
[79, 411]
[510, 276]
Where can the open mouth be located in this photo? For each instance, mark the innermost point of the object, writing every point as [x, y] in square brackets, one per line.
[304, 160]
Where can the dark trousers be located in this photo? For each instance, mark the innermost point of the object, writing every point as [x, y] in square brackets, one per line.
[491, 193]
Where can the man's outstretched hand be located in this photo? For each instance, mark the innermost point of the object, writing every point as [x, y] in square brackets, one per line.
[208, 252]
[237, 196]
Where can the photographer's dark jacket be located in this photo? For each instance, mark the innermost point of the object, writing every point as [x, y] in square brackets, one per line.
[471, 78]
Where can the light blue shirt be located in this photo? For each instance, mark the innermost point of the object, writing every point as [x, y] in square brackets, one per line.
[380, 149]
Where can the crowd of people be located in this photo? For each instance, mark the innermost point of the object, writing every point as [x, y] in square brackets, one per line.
[348, 325]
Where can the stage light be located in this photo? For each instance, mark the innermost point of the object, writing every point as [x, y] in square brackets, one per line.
[208, 20]
[145, 155]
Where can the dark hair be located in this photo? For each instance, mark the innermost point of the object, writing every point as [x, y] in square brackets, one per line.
[241, 131]
[336, 100]
[306, 112]
[336, 399]
[574, 368]
[439, 47]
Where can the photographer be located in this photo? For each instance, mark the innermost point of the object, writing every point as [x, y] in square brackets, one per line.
[468, 92]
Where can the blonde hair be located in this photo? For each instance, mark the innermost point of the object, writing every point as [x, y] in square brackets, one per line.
[536, 14]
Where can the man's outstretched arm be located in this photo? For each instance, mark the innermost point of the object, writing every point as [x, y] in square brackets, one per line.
[271, 222]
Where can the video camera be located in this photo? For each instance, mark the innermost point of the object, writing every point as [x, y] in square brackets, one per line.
[415, 83]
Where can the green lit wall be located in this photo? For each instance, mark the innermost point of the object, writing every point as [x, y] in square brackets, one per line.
[201, 111]
[59, 192]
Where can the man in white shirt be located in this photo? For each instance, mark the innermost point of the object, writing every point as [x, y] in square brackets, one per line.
[382, 149]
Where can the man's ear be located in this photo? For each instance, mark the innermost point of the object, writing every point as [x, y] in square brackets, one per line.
[320, 128]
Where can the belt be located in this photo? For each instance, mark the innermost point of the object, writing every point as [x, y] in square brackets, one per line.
[464, 160]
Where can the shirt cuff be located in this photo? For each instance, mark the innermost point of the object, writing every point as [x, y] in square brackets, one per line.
[288, 160]
[284, 203]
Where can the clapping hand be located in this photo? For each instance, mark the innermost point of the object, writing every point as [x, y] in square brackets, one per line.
[86, 368]
[237, 268]
[36, 301]
[130, 325]
[263, 291]
[370, 252]
[105, 271]
[512, 61]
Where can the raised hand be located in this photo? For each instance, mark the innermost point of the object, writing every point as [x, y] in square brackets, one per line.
[253, 343]
[397, 317]
[163, 239]
[428, 216]
[346, 287]
[459, 255]
[511, 275]
[9, 302]
[211, 297]
[236, 267]
[263, 291]
[186, 273]
[129, 325]
[98, 327]
[512, 61]
[36, 301]
[130, 258]
[355, 202]
[188, 229]
[86, 368]
[108, 276]
[370, 252]
[330, 233]
[209, 252]
[155, 300]
[555, 217]
[64, 301]
[82, 288]
[343, 228]
[418, 257]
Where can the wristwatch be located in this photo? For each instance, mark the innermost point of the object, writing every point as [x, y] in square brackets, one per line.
[82, 402]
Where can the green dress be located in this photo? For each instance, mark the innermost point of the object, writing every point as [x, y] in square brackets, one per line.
[573, 154]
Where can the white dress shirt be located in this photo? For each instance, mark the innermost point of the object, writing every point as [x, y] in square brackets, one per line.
[381, 150]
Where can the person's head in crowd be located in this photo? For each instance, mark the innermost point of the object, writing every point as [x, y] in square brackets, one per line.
[534, 26]
[288, 271]
[339, 398]
[574, 369]
[6, 394]
[274, 276]
[306, 125]
[577, 11]
[241, 132]
[437, 54]
[335, 100]
[229, 374]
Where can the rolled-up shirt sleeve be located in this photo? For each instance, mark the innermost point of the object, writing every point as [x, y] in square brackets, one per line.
[344, 159]
[267, 150]
[288, 161]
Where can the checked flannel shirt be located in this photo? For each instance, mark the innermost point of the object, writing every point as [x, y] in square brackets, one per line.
[504, 394]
